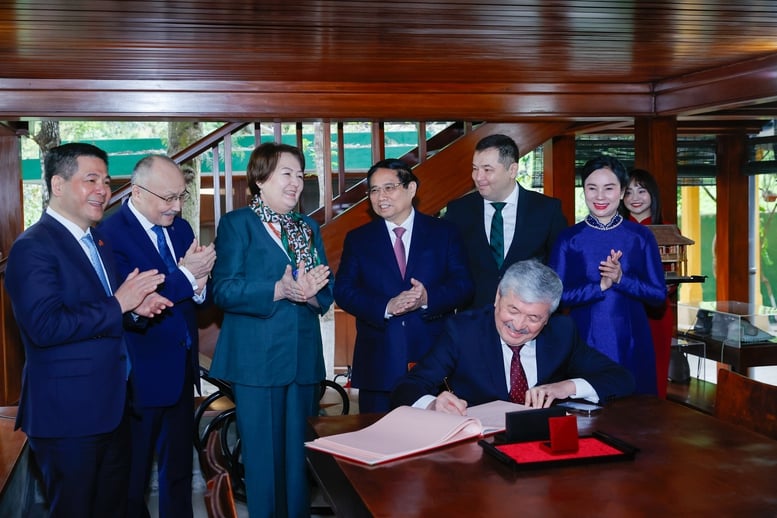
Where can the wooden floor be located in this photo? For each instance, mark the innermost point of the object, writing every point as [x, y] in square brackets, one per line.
[698, 394]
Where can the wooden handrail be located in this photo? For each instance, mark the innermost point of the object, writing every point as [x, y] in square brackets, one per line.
[356, 193]
[333, 205]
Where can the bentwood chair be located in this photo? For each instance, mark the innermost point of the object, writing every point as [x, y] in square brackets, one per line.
[219, 500]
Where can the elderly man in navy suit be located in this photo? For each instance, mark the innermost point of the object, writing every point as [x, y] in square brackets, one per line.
[70, 311]
[401, 276]
[502, 222]
[515, 350]
[147, 232]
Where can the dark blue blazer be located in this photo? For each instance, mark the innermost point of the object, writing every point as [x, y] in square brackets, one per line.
[369, 276]
[158, 351]
[74, 379]
[538, 222]
[469, 354]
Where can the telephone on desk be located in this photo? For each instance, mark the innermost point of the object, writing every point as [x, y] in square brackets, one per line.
[724, 327]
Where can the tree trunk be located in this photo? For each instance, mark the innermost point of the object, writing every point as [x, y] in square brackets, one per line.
[46, 138]
[182, 135]
[321, 169]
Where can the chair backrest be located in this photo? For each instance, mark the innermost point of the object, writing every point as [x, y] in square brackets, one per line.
[212, 458]
[746, 402]
[219, 500]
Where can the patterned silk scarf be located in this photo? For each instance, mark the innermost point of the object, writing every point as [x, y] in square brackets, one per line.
[296, 235]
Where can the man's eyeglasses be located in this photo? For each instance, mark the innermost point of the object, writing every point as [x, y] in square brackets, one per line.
[169, 199]
[389, 189]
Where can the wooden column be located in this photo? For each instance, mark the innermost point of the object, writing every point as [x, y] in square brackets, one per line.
[11, 222]
[655, 150]
[731, 244]
[559, 173]
[11, 225]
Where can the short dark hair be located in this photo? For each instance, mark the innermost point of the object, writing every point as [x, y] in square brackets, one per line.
[508, 149]
[644, 179]
[63, 160]
[404, 172]
[264, 160]
[605, 162]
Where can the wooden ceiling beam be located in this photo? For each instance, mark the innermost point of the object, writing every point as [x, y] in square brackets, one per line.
[732, 87]
[352, 101]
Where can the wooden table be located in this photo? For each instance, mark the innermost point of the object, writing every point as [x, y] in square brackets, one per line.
[740, 358]
[14, 476]
[690, 464]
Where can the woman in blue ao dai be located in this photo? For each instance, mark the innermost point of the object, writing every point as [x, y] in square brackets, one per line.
[611, 268]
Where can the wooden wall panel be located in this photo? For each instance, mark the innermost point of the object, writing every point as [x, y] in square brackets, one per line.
[11, 350]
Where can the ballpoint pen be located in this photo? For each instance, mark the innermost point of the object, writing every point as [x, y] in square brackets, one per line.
[447, 386]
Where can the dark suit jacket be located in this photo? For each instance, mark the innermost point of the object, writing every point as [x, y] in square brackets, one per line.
[74, 379]
[263, 343]
[539, 220]
[369, 276]
[469, 354]
[158, 352]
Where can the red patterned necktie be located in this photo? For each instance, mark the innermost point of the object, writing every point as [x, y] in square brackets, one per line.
[399, 250]
[518, 383]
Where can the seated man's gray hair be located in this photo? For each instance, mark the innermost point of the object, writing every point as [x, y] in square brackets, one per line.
[532, 282]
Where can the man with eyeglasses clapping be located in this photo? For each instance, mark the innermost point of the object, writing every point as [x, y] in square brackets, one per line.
[148, 232]
[401, 276]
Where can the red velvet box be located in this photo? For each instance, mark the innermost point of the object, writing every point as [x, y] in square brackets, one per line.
[563, 435]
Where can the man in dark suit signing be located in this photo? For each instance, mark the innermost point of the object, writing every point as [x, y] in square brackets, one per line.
[502, 222]
[514, 350]
[69, 308]
[401, 276]
[148, 232]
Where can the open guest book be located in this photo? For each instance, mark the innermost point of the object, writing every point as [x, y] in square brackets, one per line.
[407, 431]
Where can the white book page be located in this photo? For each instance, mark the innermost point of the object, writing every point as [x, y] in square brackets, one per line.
[492, 414]
[401, 432]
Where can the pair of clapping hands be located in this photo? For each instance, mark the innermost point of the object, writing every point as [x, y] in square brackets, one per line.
[610, 270]
[138, 291]
[300, 285]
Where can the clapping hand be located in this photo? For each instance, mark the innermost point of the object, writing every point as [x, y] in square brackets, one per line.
[408, 300]
[311, 282]
[199, 259]
[610, 270]
[133, 293]
[305, 286]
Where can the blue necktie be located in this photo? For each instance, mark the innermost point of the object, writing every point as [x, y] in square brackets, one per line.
[167, 257]
[94, 258]
[164, 250]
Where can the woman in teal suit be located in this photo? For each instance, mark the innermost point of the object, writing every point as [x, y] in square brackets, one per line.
[272, 281]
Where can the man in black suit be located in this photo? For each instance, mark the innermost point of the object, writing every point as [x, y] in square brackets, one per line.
[474, 357]
[530, 220]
